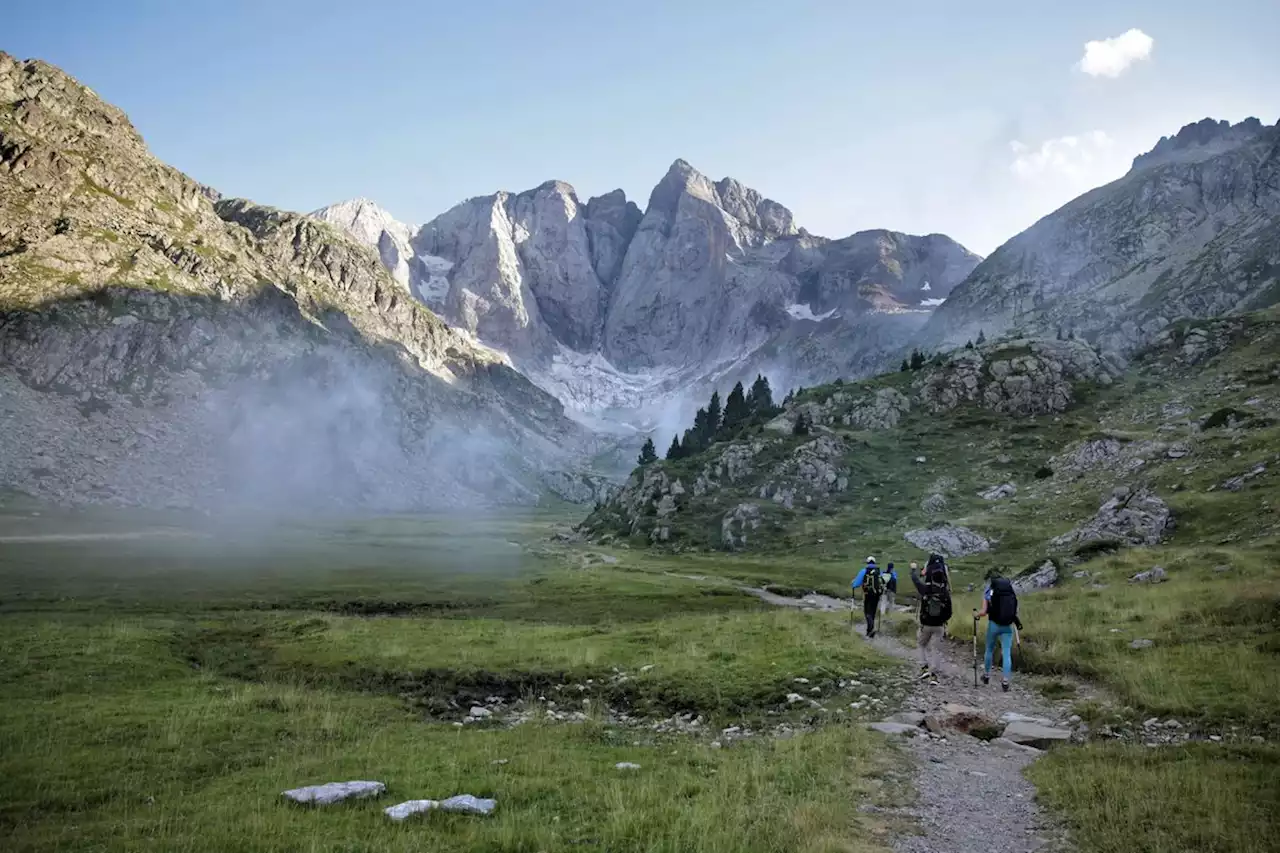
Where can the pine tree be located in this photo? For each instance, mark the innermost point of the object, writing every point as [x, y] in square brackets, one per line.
[786, 401]
[714, 417]
[968, 344]
[905, 366]
[675, 451]
[1071, 335]
[917, 359]
[1060, 337]
[801, 426]
[647, 453]
[760, 398]
[982, 337]
[735, 411]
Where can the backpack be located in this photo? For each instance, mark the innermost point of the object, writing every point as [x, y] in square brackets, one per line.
[873, 581]
[935, 604]
[1003, 607]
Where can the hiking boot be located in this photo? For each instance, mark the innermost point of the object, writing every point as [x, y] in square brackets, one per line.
[1004, 685]
[986, 679]
[924, 672]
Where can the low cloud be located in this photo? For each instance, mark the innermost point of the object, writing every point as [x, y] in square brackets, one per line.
[1111, 57]
[1076, 157]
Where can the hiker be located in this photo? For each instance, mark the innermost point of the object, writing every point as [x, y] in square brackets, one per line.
[935, 608]
[1000, 606]
[890, 591]
[872, 581]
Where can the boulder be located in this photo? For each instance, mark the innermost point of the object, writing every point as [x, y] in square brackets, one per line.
[934, 504]
[1034, 734]
[334, 792]
[1000, 492]
[1141, 644]
[1155, 574]
[910, 718]
[1041, 578]
[891, 728]
[1005, 743]
[626, 765]
[948, 540]
[1128, 517]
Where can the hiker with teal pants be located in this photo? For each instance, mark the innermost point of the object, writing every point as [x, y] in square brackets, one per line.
[1000, 606]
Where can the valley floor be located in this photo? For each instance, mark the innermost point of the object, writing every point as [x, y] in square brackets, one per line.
[161, 694]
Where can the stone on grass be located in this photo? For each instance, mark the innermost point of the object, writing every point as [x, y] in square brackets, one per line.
[1155, 574]
[626, 765]
[1042, 578]
[890, 728]
[1034, 734]
[334, 792]
[995, 493]
[1129, 517]
[460, 804]
[948, 540]
[480, 713]
[1141, 644]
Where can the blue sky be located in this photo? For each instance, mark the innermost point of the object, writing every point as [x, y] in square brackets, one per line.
[918, 116]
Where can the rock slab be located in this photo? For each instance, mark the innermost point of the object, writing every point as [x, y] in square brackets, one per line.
[1036, 735]
[334, 792]
[460, 804]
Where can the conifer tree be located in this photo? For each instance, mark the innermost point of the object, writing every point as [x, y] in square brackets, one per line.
[760, 398]
[735, 411]
[647, 453]
[801, 426]
[982, 337]
[675, 451]
[714, 417]
[905, 366]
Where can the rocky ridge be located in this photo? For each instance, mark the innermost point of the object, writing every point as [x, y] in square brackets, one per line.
[608, 307]
[1192, 231]
[150, 326]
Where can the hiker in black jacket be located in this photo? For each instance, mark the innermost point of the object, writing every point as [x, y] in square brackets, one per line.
[935, 608]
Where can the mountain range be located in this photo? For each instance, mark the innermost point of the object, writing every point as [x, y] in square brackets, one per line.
[160, 344]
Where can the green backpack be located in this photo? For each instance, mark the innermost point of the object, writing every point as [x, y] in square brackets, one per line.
[873, 582]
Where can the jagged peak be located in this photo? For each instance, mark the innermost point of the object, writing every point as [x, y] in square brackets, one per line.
[745, 204]
[1201, 139]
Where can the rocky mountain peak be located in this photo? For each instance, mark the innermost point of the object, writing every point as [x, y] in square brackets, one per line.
[48, 101]
[748, 206]
[1201, 140]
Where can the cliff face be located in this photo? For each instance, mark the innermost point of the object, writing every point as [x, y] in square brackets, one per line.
[160, 345]
[1193, 230]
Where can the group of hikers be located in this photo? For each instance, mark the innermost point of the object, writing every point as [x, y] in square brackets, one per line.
[999, 607]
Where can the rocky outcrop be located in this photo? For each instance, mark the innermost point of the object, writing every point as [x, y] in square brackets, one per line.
[1043, 577]
[1016, 377]
[737, 525]
[1193, 230]
[948, 540]
[162, 346]
[1000, 492]
[1129, 517]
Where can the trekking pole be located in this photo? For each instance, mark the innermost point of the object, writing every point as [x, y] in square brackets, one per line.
[975, 648]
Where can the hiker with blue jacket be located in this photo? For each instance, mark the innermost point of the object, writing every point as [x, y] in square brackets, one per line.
[873, 582]
[1000, 606]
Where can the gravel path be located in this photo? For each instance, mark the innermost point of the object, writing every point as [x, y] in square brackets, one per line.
[972, 797]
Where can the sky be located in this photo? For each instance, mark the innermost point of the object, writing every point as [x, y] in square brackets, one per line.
[925, 116]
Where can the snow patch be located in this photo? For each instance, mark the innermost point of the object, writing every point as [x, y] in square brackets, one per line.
[433, 287]
[799, 311]
[926, 286]
[931, 303]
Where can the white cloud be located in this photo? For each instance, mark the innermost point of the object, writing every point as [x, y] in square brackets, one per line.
[1110, 57]
[1074, 157]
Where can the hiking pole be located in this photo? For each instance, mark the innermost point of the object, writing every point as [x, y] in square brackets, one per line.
[975, 648]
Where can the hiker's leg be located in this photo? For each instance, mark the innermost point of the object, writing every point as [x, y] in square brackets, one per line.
[986, 655]
[869, 605]
[922, 644]
[1006, 648]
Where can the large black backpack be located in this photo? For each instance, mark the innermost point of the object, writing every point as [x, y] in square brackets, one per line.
[1003, 607]
[935, 604]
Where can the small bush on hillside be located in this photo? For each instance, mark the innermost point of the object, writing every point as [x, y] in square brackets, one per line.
[1044, 472]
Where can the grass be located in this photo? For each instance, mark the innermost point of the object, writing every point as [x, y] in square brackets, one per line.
[160, 693]
[1211, 799]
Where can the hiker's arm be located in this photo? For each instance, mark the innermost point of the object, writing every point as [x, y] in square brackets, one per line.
[915, 579]
[1017, 622]
[983, 610]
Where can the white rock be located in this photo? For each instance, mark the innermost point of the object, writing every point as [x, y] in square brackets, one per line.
[460, 804]
[335, 792]
[626, 765]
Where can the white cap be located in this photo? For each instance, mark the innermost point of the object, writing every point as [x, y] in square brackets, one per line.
[871, 559]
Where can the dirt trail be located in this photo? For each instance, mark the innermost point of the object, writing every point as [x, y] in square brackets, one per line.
[971, 795]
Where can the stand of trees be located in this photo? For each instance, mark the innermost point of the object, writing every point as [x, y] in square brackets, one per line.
[719, 421]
